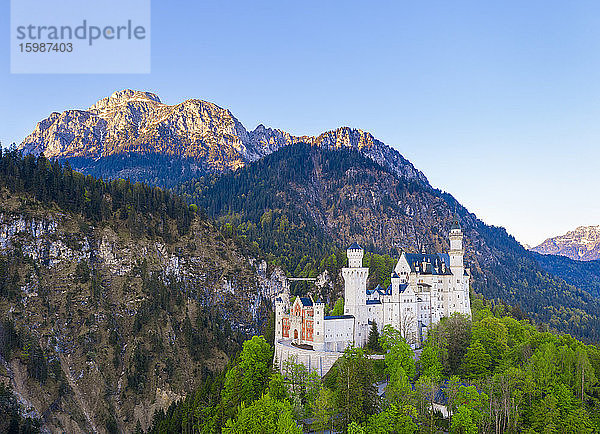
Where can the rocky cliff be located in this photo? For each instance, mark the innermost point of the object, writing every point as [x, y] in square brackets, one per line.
[201, 136]
[101, 328]
[582, 244]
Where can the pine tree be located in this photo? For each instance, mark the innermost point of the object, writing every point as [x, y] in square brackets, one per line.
[373, 342]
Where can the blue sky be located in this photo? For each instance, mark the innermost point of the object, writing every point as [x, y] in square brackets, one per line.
[496, 102]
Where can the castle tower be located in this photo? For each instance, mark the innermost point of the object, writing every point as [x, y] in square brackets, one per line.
[355, 292]
[280, 306]
[457, 250]
[319, 326]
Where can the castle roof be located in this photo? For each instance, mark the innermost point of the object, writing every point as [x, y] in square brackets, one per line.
[455, 224]
[434, 263]
[339, 317]
[355, 246]
[403, 287]
[373, 302]
[306, 301]
[394, 274]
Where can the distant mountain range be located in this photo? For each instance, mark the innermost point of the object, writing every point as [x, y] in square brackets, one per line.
[301, 197]
[132, 134]
[582, 244]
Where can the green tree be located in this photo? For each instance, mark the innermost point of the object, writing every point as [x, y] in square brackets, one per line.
[338, 308]
[393, 420]
[324, 410]
[493, 335]
[277, 387]
[373, 342]
[247, 380]
[426, 388]
[462, 421]
[452, 336]
[265, 415]
[476, 363]
[355, 428]
[585, 375]
[356, 397]
[430, 362]
[398, 352]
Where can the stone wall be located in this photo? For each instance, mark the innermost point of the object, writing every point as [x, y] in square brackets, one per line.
[315, 361]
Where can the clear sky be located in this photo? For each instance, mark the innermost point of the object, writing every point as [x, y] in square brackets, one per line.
[496, 102]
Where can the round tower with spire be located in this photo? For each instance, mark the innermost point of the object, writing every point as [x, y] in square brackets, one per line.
[457, 251]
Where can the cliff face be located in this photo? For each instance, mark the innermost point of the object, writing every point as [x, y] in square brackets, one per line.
[582, 244]
[205, 137]
[125, 325]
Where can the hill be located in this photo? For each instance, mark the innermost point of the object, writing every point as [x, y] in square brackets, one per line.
[583, 274]
[304, 201]
[116, 298]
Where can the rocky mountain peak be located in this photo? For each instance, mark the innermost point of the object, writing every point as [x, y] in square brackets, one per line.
[128, 95]
[581, 244]
[137, 122]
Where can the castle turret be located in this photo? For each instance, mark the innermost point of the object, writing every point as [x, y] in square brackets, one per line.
[319, 326]
[280, 306]
[355, 255]
[457, 251]
[355, 292]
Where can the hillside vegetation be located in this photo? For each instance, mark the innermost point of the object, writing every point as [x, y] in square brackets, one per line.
[303, 204]
[494, 374]
[115, 298]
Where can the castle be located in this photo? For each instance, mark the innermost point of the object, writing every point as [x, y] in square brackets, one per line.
[424, 288]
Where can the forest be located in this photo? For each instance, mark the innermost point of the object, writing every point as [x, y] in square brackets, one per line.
[300, 204]
[493, 373]
[498, 371]
[144, 209]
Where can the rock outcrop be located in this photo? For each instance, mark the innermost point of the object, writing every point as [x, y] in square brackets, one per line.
[209, 138]
[582, 244]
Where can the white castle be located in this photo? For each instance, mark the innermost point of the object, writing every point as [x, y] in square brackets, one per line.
[424, 288]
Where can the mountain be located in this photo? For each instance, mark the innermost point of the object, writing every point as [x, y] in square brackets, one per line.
[132, 134]
[583, 274]
[311, 204]
[115, 299]
[582, 244]
[304, 201]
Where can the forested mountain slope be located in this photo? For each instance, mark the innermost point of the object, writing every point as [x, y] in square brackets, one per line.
[583, 274]
[115, 299]
[304, 201]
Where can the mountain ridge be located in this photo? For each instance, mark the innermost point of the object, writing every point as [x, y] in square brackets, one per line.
[581, 244]
[207, 137]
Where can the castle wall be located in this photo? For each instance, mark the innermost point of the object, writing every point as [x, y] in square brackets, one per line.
[315, 361]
